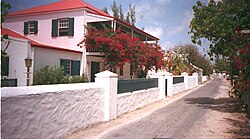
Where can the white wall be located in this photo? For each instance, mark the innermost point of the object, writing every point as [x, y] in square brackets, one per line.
[51, 57]
[131, 101]
[178, 88]
[191, 81]
[45, 27]
[50, 111]
[204, 78]
[18, 51]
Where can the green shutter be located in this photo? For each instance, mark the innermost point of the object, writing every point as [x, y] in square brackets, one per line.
[63, 62]
[75, 68]
[4, 66]
[25, 31]
[54, 28]
[36, 26]
[71, 27]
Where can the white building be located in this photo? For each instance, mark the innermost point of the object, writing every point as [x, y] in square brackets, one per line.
[54, 31]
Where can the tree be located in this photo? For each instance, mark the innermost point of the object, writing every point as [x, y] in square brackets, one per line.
[222, 23]
[105, 9]
[4, 10]
[128, 18]
[121, 14]
[132, 14]
[115, 9]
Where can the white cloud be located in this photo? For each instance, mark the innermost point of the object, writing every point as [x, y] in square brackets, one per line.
[155, 31]
[175, 30]
[145, 12]
[163, 1]
[188, 15]
[167, 45]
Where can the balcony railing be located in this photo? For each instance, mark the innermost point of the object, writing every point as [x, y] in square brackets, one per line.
[93, 50]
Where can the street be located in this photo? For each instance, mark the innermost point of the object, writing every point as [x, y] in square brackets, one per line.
[200, 114]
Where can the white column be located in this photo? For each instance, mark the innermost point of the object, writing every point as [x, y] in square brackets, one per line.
[161, 84]
[108, 80]
[196, 78]
[185, 75]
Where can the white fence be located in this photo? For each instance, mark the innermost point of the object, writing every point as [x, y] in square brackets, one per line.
[52, 111]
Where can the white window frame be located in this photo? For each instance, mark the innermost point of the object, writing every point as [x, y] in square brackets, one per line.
[63, 23]
[31, 27]
[69, 63]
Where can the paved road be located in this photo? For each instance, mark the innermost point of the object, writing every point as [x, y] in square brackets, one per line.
[180, 119]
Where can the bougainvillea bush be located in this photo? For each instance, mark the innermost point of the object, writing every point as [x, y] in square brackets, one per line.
[119, 48]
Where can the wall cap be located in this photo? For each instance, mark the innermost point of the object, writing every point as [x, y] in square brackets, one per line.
[106, 74]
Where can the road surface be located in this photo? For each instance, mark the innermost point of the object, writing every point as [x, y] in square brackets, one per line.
[196, 115]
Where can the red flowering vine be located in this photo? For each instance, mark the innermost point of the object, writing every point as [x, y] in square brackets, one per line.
[119, 48]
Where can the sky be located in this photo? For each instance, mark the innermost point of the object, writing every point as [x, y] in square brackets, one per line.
[166, 19]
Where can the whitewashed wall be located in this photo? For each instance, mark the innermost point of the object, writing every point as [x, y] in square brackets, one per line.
[17, 51]
[178, 88]
[191, 81]
[45, 27]
[50, 111]
[131, 101]
[204, 79]
[51, 57]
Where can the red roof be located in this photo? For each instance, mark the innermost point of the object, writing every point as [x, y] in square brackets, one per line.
[58, 6]
[33, 43]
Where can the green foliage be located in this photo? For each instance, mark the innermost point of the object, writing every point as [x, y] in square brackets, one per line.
[115, 9]
[218, 22]
[190, 54]
[105, 9]
[118, 13]
[49, 75]
[222, 24]
[77, 79]
[55, 75]
[4, 10]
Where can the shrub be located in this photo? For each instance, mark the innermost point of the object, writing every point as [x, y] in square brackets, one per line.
[55, 75]
[49, 75]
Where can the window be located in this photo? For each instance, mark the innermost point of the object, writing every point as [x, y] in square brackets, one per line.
[30, 27]
[70, 67]
[4, 65]
[63, 27]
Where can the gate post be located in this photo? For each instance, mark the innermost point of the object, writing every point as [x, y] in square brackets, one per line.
[185, 75]
[169, 77]
[196, 78]
[108, 80]
[161, 84]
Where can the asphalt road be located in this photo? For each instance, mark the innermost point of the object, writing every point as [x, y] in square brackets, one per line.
[177, 120]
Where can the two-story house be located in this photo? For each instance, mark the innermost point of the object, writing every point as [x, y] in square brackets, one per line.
[58, 28]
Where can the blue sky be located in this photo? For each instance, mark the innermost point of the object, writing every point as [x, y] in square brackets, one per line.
[166, 19]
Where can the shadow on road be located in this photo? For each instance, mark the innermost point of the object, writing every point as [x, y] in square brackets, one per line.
[228, 105]
[240, 122]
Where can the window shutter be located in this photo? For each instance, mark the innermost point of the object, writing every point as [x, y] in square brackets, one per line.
[4, 66]
[54, 28]
[75, 68]
[71, 27]
[25, 32]
[63, 62]
[36, 26]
